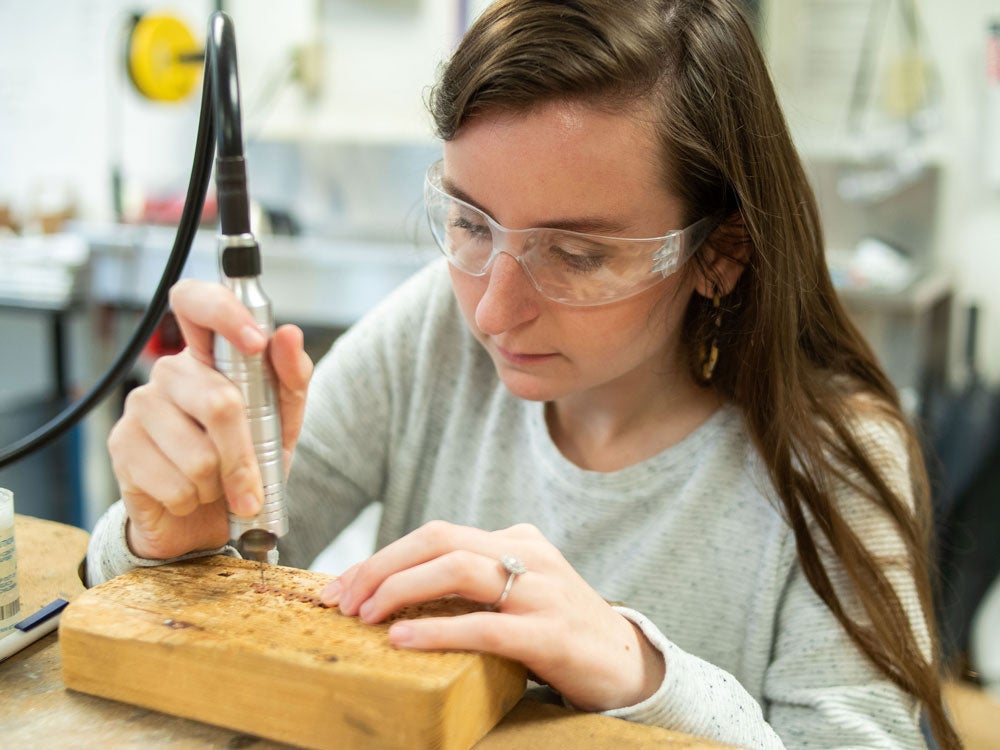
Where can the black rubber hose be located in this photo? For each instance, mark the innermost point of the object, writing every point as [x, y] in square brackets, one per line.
[221, 57]
[230, 166]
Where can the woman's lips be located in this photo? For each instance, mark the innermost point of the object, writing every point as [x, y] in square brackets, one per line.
[521, 358]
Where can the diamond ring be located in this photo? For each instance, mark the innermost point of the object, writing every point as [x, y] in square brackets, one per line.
[514, 568]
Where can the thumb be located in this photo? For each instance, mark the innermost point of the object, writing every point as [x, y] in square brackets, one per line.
[293, 369]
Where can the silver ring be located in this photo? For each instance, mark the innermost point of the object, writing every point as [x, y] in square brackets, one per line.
[514, 568]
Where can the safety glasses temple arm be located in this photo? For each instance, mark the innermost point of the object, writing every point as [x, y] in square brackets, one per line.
[670, 256]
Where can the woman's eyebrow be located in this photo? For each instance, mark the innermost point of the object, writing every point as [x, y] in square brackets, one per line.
[584, 224]
[456, 192]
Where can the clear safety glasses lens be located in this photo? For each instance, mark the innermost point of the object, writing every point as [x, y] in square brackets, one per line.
[568, 267]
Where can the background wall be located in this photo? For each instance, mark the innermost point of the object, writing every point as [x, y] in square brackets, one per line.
[67, 114]
[815, 50]
[65, 111]
[969, 213]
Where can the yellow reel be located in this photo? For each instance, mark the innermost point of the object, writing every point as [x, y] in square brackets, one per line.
[163, 58]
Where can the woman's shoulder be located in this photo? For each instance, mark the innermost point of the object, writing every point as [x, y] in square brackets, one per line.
[878, 426]
[877, 429]
[881, 433]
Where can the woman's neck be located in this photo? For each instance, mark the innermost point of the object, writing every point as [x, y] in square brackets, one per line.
[627, 421]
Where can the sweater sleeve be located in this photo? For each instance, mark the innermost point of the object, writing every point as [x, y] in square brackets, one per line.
[698, 698]
[820, 690]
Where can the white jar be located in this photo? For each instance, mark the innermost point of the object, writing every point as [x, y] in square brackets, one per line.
[10, 600]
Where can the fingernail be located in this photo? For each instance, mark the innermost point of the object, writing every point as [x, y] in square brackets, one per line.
[252, 337]
[345, 603]
[366, 610]
[330, 594]
[401, 634]
[247, 505]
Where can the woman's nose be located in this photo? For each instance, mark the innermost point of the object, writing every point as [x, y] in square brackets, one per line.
[510, 298]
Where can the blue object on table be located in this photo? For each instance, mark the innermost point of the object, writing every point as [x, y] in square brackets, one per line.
[49, 610]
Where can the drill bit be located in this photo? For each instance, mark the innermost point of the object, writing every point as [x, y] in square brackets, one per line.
[259, 545]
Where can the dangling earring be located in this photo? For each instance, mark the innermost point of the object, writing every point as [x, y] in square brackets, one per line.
[710, 358]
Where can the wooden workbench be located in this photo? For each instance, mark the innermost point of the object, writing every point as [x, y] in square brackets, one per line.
[37, 710]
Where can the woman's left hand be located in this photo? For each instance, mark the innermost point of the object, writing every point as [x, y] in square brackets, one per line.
[552, 621]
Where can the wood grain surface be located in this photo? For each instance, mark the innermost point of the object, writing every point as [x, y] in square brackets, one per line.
[204, 639]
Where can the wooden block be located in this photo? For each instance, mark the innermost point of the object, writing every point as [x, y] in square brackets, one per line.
[204, 640]
[541, 725]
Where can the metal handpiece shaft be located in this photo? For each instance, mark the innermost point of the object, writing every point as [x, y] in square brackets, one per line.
[253, 375]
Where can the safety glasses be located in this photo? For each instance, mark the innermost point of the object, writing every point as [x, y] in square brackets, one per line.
[568, 267]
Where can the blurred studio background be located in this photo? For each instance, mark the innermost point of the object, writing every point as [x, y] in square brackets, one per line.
[895, 105]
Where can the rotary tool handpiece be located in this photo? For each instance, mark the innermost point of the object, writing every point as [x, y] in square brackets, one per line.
[256, 536]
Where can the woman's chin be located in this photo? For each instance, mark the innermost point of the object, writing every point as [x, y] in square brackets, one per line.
[530, 387]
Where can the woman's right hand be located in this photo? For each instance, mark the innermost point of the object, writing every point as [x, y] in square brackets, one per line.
[182, 451]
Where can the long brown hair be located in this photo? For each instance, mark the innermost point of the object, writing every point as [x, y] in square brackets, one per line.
[790, 358]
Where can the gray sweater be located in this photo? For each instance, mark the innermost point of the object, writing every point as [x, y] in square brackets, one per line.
[407, 410]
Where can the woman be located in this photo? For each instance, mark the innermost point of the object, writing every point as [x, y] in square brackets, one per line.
[686, 423]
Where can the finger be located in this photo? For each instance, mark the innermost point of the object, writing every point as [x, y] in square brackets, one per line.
[487, 632]
[184, 443]
[330, 595]
[217, 405]
[148, 474]
[288, 357]
[467, 574]
[293, 369]
[203, 309]
[429, 541]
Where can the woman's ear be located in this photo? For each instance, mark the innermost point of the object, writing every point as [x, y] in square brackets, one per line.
[725, 254]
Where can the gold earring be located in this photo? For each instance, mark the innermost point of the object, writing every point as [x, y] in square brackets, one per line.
[710, 358]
